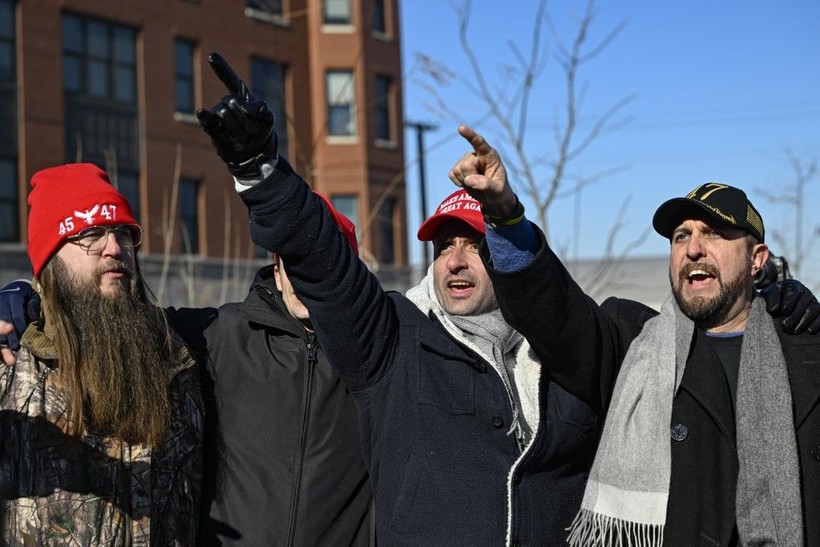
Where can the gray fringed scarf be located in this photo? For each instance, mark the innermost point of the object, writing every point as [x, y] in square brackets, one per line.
[627, 493]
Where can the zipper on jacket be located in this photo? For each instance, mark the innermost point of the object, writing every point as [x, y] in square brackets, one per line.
[310, 363]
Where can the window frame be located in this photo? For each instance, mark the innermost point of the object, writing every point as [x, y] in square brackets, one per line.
[383, 109]
[345, 100]
[263, 81]
[185, 76]
[333, 19]
[189, 216]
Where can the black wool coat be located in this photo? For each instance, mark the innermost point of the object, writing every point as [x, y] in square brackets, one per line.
[584, 344]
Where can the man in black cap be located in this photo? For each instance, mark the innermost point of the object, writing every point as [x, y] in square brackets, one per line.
[712, 420]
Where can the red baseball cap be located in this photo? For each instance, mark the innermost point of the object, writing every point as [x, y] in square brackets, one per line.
[457, 206]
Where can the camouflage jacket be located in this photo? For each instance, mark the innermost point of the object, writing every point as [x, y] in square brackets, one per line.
[92, 489]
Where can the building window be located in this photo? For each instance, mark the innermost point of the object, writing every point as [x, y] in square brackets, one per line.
[100, 92]
[189, 215]
[348, 205]
[386, 234]
[379, 20]
[268, 83]
[383, 123]
[99, 59]
[128, 184]
[270, 7]
[9, 186]
[337, 12]
[9, 206]
[184, 75]
[341, 103]
[7, 71]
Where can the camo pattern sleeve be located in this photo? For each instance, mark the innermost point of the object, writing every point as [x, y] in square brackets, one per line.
[90, 490]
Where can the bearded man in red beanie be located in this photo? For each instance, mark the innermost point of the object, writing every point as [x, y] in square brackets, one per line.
[101, 418]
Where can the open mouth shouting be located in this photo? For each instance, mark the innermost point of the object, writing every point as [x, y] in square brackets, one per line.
[459, 288]
[699, 276]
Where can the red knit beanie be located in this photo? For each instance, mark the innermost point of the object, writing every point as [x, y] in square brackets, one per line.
[65, 200]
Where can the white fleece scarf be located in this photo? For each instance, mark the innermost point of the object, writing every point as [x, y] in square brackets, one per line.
[504, 348]
[628, 490]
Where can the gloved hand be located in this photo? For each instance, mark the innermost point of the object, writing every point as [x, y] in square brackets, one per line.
[240, 125]
[19, 305]
[794, 302]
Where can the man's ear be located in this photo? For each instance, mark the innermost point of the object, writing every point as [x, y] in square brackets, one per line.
[760, 254]
[277, 277]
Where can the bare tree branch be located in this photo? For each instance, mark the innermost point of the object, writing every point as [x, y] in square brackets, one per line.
[794, 248]
[544, 175]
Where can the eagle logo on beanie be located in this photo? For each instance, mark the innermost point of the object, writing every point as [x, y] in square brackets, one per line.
[88, 216]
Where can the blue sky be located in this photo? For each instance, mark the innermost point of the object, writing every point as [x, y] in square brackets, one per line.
[722, 91]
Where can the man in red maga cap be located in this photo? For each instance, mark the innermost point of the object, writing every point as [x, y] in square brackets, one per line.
[463, 444]
[101, 422]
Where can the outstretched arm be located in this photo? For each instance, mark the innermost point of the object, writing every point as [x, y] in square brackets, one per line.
[353, 317]
[512, 241]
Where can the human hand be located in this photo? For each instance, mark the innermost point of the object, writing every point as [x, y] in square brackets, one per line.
[19, 305]
[794, 302]
[7, 355]
[482, 173]
[240, 125]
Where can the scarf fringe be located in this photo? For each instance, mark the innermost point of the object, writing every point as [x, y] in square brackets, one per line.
[590, 528]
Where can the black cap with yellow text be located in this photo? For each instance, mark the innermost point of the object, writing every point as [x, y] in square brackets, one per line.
[724, 204]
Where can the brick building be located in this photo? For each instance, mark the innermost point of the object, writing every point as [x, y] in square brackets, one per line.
[116, 83]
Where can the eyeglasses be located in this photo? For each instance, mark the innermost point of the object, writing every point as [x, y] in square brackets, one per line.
[93, 239]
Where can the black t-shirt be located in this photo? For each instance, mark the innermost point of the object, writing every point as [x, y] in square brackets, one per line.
[727, 348]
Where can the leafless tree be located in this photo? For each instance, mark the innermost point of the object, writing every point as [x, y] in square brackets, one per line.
[545, 172]
[791, 238]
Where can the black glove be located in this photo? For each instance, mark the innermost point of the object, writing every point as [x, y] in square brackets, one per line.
[794, 302]
[19, 305]
[240, 125]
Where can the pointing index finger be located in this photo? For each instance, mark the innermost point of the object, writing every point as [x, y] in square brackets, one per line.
[225, 73]
[480, 146]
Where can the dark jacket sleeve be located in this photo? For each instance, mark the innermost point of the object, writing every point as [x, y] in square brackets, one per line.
[354, 319]
[580, 343]
[190, 323]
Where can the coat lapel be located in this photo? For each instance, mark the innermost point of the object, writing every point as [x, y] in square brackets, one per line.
[705, 381]
[802, 353]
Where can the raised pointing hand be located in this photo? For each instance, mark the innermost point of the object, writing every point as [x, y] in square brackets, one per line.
[483, 175]
[240, 125]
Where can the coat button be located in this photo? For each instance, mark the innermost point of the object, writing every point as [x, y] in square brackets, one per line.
[679, 432]
[815, 452]
[498, 423]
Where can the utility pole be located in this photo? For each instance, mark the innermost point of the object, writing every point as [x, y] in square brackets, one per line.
[420, 129]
